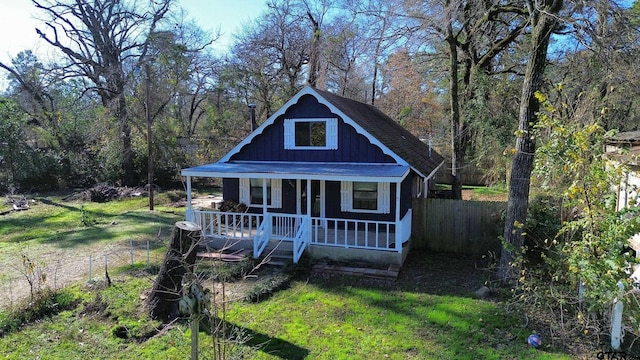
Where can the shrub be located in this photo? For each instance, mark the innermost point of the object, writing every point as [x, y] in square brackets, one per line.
[46, 303]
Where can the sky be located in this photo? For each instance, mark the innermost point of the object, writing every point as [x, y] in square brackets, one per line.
[18, 22]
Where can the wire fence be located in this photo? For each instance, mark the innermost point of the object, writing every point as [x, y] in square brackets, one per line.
[25, 272]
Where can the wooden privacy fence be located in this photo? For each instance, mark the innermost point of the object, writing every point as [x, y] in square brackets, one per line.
[465, 227]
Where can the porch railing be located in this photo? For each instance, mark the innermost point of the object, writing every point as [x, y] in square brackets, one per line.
[348, 233]
[302, 239]
[261, 240]
[405, 229]
[302, 230]
[285, 227]
[227, 224]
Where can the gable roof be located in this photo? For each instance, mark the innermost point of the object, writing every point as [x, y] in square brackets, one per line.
[389, 132]
[380, 130]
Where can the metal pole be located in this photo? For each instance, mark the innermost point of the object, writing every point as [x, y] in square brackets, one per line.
[149, 138]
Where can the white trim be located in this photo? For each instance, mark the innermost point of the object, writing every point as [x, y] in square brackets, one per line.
[244, 189]
[298, 197]
[289, 134]
[307, 90]
[301, 175]
[383, 198]
[346, 197]
[276, 193]
[332, 134]
[330, 139]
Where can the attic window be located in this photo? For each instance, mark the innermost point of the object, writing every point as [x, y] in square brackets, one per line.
[311, 134]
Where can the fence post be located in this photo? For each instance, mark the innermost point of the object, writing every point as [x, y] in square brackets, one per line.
[616, 321]
[580, 290]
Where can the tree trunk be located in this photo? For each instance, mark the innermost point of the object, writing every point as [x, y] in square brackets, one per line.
[543, 21]
[454, 102]
[179, 260]
[313, 65]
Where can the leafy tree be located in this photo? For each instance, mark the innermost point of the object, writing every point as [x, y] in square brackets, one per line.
[590, 247]
[29, 84]
[543, 16]
[21, 165]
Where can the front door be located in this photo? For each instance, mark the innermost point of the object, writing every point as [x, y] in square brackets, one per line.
[317, 204]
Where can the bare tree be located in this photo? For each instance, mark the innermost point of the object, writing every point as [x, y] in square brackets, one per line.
[343, 72]
[103, 40]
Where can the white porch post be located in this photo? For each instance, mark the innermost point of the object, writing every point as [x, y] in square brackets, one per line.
[189, 214]
[298, 197]
[308, 198]
[264, 196]
[399, 230]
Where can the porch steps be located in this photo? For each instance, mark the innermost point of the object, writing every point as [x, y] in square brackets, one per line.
[391, 273]
[280, 254]
[278, 257]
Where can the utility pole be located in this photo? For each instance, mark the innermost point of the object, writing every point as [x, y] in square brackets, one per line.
[149, 138]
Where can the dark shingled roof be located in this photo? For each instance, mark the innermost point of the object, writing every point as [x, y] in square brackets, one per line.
[626, 137]
[388, 132]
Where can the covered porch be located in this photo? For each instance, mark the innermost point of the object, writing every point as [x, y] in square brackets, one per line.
[309, 229]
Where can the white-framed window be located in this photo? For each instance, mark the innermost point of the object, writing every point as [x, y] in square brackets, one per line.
[418, 187]
[366, 197]
[311, 134]
[251, 192]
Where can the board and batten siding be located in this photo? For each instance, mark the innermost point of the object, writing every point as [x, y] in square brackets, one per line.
[471, 228]
[352, 147]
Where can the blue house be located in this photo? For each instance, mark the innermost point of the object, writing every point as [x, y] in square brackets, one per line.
[332, 176]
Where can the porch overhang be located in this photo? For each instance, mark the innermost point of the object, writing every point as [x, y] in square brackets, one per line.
[373, 172]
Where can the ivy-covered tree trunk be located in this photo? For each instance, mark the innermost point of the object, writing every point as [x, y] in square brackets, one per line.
[454, 102]
[543, 17]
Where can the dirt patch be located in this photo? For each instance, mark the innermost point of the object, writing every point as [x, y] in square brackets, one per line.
[423, 271]
[63, 267]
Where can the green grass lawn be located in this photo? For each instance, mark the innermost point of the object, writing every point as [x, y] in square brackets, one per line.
[316, 317]
[59, 237]
[313, 319]
[67, 224]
